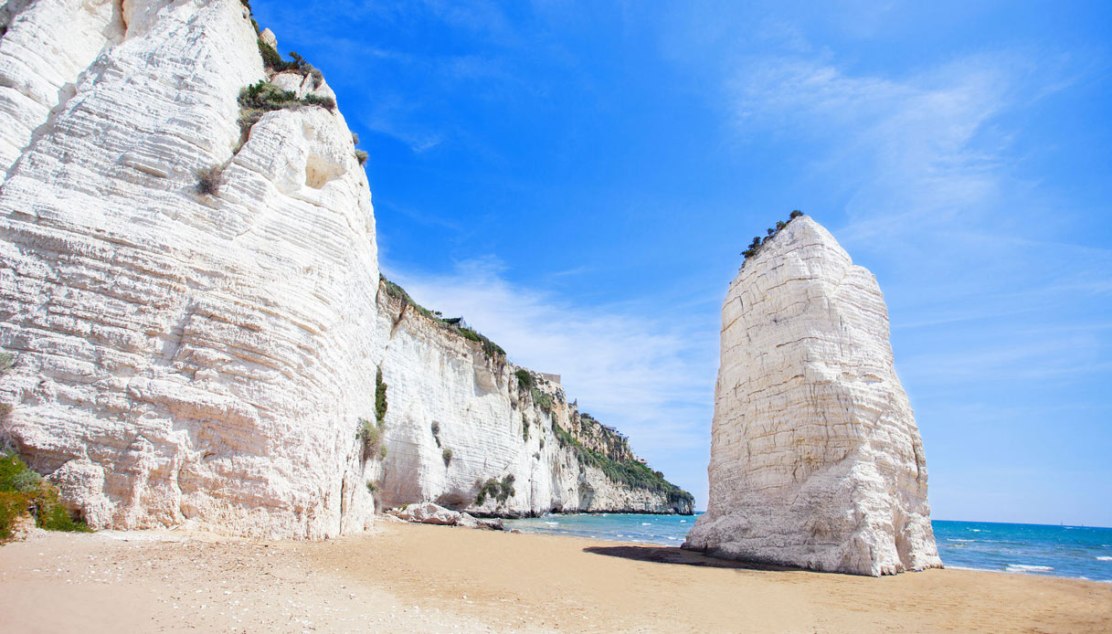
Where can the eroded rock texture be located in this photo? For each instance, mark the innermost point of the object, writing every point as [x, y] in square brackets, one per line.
[180, 355]
[816, 460]
[209, 355]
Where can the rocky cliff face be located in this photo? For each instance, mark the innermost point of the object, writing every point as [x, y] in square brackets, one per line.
[180, 355]
[191, 287]
[816, 460]
[470, 431]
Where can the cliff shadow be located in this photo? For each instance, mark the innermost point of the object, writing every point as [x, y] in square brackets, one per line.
[678, 556]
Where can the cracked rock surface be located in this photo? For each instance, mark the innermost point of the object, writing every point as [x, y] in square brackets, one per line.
[816, 460]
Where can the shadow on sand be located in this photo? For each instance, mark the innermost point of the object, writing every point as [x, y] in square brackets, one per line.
[672, 555]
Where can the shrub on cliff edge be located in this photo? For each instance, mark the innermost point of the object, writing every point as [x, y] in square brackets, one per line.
[542, 400]
[524, 378]
[262, 97]
[380, 398]
[758, 242]
[493, 351]
[500, 491]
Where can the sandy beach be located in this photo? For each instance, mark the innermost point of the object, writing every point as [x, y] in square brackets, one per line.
[425, 578]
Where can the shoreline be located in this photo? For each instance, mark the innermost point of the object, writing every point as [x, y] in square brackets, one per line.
[433, 578]
[1062, 569]
[1025, 574]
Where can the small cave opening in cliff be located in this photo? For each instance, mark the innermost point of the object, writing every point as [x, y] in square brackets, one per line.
[455, 501]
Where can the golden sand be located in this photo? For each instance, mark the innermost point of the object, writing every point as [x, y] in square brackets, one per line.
[426, 578]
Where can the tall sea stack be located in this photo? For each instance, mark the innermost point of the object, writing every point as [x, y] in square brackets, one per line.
[816, 460]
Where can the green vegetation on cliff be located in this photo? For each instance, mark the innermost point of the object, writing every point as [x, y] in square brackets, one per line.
[24, 491]
[500, 491]
[492, 350]
[758, 241]
[631, 472]
[380, 398]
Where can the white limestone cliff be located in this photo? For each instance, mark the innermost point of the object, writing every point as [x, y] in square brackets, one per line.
[816, 460]
[459, 417]
[180, 356]
[208, 358]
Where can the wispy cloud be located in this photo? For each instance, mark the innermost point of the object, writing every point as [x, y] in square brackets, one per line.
[918, 149]
[930, 171]
[998, 301]
[636, 370]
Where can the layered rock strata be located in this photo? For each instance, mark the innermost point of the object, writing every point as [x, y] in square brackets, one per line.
[816, 460]
[461, 420]
[192, 294]
[180, 355]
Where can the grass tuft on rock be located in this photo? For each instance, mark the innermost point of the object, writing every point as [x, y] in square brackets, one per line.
[371, 436]
[262, 97]
[498, 490]
[209, 180]
[631, 472]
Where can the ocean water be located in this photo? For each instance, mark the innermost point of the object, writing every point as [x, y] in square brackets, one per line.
[667, 530]
[1081, 552]
[1064, 551]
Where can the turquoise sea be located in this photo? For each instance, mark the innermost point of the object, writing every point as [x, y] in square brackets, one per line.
[1080, 552]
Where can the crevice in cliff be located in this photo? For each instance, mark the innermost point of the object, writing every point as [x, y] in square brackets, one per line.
[398, 320]
[65, 94]
[9, 13]
[121, 9]
[172, 343]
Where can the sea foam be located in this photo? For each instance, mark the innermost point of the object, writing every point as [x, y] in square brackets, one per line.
[1028, 568]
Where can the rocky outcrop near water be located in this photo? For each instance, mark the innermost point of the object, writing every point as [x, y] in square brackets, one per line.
[189, 285]
[816, 460]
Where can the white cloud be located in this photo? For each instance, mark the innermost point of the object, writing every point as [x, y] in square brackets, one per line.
[930, 173]
[918, 150]
[649, 374]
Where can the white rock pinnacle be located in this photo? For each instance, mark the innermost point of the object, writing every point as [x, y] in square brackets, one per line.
[816, 460]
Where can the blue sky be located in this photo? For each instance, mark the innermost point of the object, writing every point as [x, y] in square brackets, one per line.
[578, 178]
